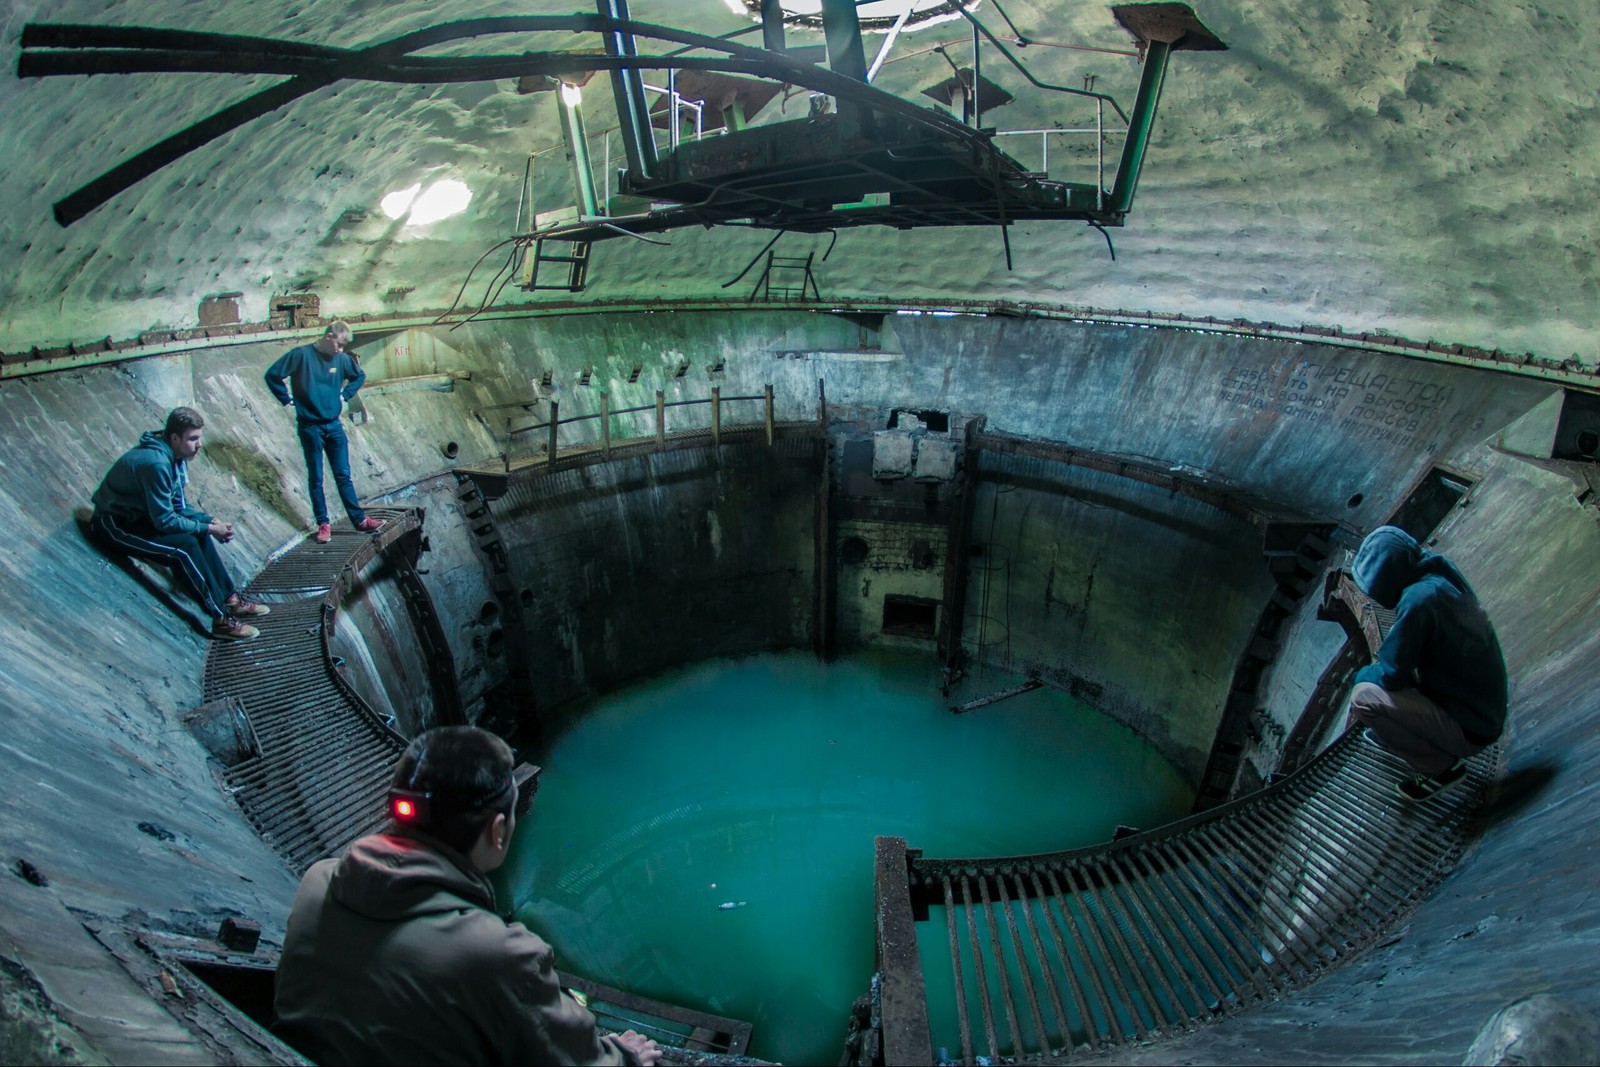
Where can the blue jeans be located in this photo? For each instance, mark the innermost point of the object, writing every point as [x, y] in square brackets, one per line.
[315, 439]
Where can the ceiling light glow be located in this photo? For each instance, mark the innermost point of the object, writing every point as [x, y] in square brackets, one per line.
[398, 202]
[441, 200]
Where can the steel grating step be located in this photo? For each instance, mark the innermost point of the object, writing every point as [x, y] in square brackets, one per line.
[325, 756]
[1051, 957]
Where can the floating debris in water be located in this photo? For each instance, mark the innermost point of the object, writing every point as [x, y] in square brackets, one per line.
[729, 905]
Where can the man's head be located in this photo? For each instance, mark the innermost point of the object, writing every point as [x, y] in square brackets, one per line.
[182, 432]
[1388, 560]
[335, 339]
[458, 785]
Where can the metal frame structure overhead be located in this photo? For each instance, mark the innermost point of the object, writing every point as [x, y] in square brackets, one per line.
[875, 159]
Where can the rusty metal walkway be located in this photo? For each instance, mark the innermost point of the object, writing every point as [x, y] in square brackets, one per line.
[321, 756]
[1041, 959]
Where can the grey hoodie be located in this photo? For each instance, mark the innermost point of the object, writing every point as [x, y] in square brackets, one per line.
[393, 954]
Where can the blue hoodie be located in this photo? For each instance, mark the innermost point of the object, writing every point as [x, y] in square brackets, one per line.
[146, 485]
[1442, 642]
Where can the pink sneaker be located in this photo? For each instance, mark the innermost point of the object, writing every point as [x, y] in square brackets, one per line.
[368, 524]
[324, 533]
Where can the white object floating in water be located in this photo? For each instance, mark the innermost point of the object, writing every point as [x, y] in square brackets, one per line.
[729, 905]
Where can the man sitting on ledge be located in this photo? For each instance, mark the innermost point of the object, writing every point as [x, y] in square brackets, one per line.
[394, 953]
[1437, 693]
[140, 510]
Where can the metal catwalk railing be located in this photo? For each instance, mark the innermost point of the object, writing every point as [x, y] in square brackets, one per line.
[324, 759]
[1043, 958]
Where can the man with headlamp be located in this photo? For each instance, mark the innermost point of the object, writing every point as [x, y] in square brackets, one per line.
[394, 953]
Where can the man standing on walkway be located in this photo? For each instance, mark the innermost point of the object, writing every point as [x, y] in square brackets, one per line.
[1437, 693]
[140, 510]
[322, 378]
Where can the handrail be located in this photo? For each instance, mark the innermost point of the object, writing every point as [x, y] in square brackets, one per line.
[553, 425]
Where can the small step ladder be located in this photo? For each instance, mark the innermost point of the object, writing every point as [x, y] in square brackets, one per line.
[788, 267]
[576, 260]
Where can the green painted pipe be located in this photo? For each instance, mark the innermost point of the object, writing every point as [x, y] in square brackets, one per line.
[1139, 124]
[627, 86]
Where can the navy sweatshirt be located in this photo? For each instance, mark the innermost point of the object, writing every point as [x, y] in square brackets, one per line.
[318, 383]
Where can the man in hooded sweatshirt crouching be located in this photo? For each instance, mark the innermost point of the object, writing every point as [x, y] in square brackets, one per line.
[1437, 693]
[394, 954]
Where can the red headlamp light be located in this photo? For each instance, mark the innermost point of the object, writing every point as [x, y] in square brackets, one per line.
[407, 807]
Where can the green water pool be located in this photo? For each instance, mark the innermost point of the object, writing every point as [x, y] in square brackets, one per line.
[760, 783]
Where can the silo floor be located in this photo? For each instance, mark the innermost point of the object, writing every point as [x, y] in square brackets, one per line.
[707, 837]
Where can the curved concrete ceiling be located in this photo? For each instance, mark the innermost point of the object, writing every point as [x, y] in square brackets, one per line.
[1420, 167]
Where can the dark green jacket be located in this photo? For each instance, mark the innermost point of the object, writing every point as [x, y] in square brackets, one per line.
[146, 485]
[393, 955]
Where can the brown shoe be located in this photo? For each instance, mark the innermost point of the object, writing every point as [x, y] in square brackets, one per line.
[368, 524]
[239, 607]
[233, 629]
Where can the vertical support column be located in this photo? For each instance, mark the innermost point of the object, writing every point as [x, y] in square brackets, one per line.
[959, 535]
[661, 421]
[906, 1035]
[555, 421]
[977, 78]
[716, 414]
[842, 29]
[823, 551]
[638, 136]
[772, 26]
[770, 425]
[605, 423]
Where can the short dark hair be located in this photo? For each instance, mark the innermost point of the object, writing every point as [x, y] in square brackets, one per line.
[181, 420]
[468, 772]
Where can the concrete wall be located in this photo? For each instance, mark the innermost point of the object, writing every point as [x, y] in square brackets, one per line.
[660, 560]
[1135, 600]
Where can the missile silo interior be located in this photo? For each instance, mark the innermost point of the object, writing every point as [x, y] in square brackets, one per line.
[632, 408]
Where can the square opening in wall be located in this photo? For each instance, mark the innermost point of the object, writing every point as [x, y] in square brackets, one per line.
[932, 421]
[1431, 500]
[910, 616]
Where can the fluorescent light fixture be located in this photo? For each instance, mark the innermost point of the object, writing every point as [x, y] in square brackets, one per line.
[441, 200]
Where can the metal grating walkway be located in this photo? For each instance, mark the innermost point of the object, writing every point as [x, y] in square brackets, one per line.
[324, 757]
[1043, 958]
